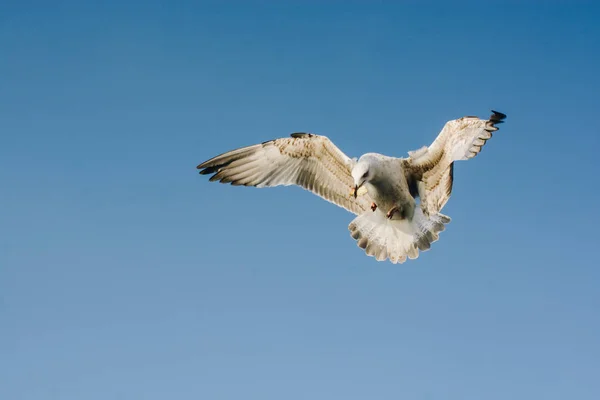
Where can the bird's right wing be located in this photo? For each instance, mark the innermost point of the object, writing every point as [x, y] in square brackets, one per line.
[307, 160]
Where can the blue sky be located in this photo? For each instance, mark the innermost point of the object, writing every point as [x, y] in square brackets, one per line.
[124, 274]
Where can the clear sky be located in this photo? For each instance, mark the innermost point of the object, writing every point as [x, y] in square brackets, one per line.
[126, 275]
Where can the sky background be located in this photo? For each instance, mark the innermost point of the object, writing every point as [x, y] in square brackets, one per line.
[126, 275]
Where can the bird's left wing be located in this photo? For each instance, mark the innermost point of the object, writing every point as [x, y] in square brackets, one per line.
[307, 160]
[460, 139]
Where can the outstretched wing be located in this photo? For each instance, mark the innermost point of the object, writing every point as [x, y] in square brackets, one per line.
[460, 139]
[310, 161]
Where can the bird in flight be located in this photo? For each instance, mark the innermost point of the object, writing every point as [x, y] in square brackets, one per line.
[382, 191]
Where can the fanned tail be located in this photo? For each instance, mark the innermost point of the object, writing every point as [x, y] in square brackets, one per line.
[396, 240]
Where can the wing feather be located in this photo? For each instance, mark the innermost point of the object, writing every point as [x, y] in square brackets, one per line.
[310, 161]
[460, 139]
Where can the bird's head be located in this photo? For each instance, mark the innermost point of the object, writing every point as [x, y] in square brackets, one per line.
[360, 174]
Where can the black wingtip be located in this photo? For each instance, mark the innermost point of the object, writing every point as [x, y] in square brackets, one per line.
[209, 170]
[497, 117]
[297, 135]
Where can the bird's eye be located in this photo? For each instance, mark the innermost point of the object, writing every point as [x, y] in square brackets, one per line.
[365, 174]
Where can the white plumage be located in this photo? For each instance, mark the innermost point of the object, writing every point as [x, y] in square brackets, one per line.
[380, 190]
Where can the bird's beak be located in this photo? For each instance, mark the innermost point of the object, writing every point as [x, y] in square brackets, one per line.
[357, 190]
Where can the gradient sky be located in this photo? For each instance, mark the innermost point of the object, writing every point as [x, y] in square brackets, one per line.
[125, 275]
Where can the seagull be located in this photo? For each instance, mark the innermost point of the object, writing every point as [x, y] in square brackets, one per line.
[382, 191]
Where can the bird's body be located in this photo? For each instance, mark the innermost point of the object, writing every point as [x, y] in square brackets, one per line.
[383, 189]
[388, 186]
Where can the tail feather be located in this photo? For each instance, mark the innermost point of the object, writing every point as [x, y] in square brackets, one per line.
[396, 240]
